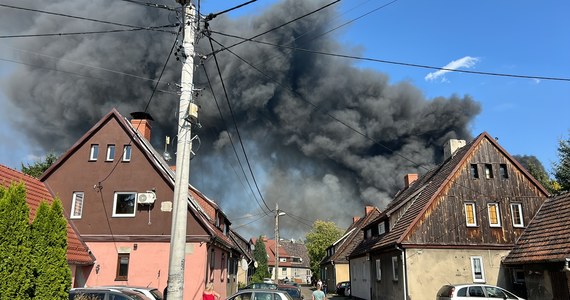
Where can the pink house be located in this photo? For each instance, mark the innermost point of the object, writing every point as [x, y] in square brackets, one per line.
[118, 192]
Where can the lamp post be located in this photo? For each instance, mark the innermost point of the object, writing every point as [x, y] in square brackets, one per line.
[277, 214]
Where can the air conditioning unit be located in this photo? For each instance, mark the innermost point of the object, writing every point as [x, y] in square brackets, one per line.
[146, 198]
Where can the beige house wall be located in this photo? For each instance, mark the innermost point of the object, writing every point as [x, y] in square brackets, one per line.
[342, 273]
[429, 269]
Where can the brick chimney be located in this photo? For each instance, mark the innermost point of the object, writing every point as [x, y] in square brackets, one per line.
[141, 122]
[355, 219]
[409, 179]
[451, 146]
[368, 209]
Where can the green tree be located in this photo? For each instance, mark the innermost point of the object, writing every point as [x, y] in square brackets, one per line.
[561, 169]
[39, 167]
[260, 256]
[15, 248]
[49, 254]
[321, 236]
[537, 170]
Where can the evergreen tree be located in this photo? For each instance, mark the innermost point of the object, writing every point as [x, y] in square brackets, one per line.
[321, 236]
[39, 167]
[49, 254]
[15, 271]
[562, 167]
[260, 256]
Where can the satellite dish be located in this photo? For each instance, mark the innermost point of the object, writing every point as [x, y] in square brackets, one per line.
[243, 263]
[255, 264]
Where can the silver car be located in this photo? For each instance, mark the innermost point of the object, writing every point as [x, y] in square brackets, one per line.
[473, 292]
[260, 295]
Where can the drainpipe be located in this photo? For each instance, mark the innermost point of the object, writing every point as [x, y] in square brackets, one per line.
[404, 279]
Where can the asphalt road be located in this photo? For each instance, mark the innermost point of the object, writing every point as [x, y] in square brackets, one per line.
[307, 292]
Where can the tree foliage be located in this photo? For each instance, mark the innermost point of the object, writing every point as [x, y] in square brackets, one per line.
[321, 236]
[49, 254]
[39, 167]
[537, 170]
[561, 168]
[260, 256]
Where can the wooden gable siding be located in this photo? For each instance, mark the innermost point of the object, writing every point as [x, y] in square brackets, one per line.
[79, 174]
[444, 221]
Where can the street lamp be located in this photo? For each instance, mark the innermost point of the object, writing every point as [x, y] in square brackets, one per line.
[277, 214]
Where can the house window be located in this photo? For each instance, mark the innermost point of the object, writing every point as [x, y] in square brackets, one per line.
[124, 204]
[127, 153]
[494, 215]
[477, 269]
[283, 271]
[282, 259]
[123, 266]
[488, 171]
[518, 275]
[378, 270]
[94, 152]
[395, 268]
[368, 233]
[110, 152]
[474, 171]
[76, 205]
[503, 171]
[381, 228]
[516, 212]
[470, 215]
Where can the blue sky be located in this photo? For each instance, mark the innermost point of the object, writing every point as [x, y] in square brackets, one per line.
[528, 116]
[515, 37]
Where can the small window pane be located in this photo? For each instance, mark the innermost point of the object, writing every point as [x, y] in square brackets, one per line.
[494, 215]
[127, 153]
[378, 270]
[488, 171]
[125, 204]
[123, 266]
[503, 171]
[110, 152]
[77, 205]
[94, 152]
[477, 269]
[474, 171]
[516, 211]
[395, 268]
[381, 228]
[470, 216]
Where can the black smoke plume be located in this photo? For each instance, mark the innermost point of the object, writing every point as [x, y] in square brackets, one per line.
[311, 164]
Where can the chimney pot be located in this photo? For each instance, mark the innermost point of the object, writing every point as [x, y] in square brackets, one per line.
[451, 147]
[355, 219]
[409, 179]
[368, 209]
[141, 122]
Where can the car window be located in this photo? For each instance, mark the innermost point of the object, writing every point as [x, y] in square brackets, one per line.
[120, 297]
[90, 296]
[494, 292]
[262, 296]
[157, 294]
[476, 291]
[462, 292]
[244, 296]
[509, 294]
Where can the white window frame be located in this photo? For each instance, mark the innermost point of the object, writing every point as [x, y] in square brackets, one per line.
[381, 228]
[474, 224]
[480, 259]
[115, 214]
[127, 152]
[110, 156]
[497, 209]
[517, 207]
[378, 270]
[74, 202]
[94, 152]
[395, 268]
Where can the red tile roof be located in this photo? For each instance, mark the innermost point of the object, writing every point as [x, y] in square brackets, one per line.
[547, 237]
[36, 191]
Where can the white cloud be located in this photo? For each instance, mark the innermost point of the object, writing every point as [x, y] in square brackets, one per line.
[465, 62]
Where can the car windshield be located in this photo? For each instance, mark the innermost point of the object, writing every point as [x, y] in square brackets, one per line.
[156, 293]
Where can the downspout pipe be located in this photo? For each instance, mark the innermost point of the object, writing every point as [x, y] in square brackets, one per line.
[404, 275]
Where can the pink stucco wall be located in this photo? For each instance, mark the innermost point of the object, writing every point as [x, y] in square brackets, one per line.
[148, 266]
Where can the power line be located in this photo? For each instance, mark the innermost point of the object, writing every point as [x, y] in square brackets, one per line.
[235, 124]
[77, 17]
[395, 62]
[85, 32]
[212, 16]
[149, 4]
[245, 224]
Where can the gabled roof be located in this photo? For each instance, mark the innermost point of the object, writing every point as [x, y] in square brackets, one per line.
[202, 208]
[352, 238]
[423, 192]
[547, 237]
[36, 191]
[295, 249]
[242, 244]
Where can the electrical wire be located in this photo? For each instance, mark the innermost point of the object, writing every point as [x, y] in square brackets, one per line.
[299, 220]
[396, 62]
[211, 16]
[77, 17]
[245, 224]
[149, 4]
[230, 139]
[235, 125]
[85, 32]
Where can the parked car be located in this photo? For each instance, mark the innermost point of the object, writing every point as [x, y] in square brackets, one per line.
[473, 291]
[341, 287]
[293, 291]
[150, 292]
[260, 295]
[260, 286]
[105, 294]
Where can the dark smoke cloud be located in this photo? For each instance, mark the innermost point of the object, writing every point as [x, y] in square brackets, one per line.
[312, 165]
